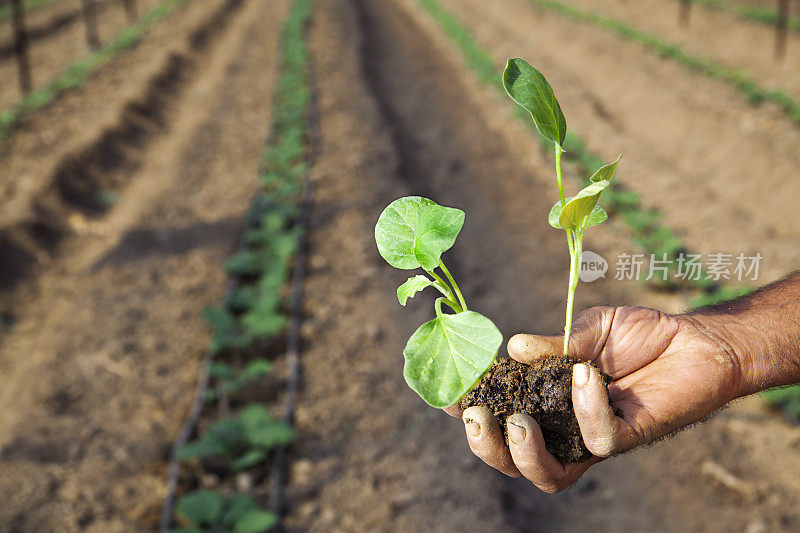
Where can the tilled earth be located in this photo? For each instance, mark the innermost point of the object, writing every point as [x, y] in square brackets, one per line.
[122, 201]
[399, 114]
[98, 371]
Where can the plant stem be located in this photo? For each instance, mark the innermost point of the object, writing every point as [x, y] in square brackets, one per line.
[450, 295]
[561, 193]
[454, 284]
[558, 175]
[452, 305]
[574, 277]
[437, 305]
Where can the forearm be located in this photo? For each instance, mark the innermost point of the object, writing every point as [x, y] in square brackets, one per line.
[761, 332]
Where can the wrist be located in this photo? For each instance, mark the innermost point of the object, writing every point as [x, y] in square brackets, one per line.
[728, 342]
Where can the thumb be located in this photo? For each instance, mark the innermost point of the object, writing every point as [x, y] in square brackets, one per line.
[603, 432]
[589, 332]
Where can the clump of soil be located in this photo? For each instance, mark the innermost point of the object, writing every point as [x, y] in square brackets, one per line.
[542, 390]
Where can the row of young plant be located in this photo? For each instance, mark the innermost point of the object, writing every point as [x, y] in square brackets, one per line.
[78, 72]
[27, 5]
[646, 227]
[253, 317]
[754, 13]
[705, 66]
[647, 230]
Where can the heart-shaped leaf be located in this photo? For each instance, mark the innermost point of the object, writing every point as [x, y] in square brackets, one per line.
[413, 232]
[529, 88]
[447, 356]
[413, 285]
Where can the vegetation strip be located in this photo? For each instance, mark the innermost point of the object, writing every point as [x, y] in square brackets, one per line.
[645, 224]
[708, 67]
[27, 5]
[255, 312]
[756, 14]
[78, 72]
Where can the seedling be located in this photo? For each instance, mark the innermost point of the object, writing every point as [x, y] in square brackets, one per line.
[245, 439]
[204, 511]
[447, 356]
[529, 88]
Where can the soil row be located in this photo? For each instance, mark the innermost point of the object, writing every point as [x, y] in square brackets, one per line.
[399, 112]
[114, 340]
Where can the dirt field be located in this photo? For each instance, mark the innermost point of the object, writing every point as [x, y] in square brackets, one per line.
[57, 37]
[122, 201]
[98, 371]
[398, 114]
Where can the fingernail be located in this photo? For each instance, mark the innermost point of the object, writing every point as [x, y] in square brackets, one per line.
[473, 428]
[516, 433]
[580, 374]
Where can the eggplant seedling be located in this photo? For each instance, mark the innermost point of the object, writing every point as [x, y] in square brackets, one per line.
[446, 356]
[453, 358]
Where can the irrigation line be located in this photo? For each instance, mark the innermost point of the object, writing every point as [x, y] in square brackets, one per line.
[255, 212]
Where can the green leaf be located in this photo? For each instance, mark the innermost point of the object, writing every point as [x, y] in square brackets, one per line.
[200, 507]
[596, 217]
[221, 370]
[262, 430]
[446, 357]
[579, 207]
[413, 232]
[413, 285]
[606, 172]
[250, 458]
[255, 522]
[236, 507]
[529, 88]
[555, 213]
[580, 210]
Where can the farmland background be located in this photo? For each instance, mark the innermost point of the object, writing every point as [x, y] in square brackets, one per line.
[192, 309]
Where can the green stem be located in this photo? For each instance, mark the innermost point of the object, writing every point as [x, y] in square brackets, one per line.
[574, 277]
[450, 294]
[558, 175]
[454, 284]
[437, 305]
[561, 193]
[452, 305]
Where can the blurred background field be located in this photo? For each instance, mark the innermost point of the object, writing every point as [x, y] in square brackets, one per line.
[197, 334]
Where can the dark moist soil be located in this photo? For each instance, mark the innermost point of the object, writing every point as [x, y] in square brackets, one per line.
[542, 390]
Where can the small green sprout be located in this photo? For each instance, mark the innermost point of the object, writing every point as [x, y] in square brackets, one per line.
[245, 439]
[529, 88]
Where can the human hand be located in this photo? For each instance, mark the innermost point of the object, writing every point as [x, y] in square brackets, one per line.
[667, 371]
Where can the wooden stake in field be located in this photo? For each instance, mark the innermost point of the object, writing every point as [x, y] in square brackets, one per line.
[685, 13]
[781, 28]
[21, 46]
[90, 21]
[130, 10]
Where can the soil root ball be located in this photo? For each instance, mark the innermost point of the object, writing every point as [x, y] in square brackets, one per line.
[542, 390]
